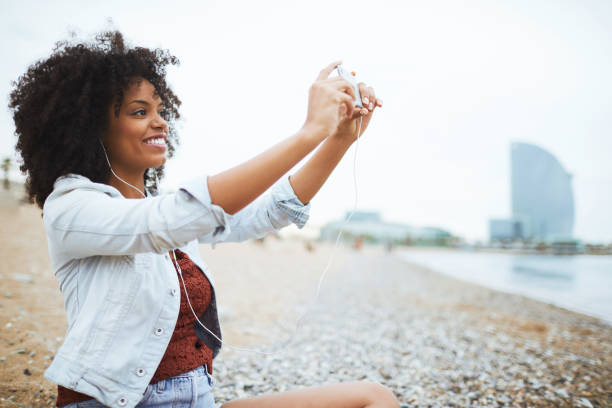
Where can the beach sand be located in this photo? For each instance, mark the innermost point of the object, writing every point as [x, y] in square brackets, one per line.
[433, 340]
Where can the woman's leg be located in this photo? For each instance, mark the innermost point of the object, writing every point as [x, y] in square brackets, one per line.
[346, 395]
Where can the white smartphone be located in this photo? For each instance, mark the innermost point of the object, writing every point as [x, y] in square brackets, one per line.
[347, 75]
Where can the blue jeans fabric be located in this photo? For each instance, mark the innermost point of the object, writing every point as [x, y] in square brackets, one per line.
[189, 390]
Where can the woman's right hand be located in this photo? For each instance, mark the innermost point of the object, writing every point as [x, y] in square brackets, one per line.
[330, 100]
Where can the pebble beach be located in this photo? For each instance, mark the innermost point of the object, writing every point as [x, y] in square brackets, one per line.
[433, 340]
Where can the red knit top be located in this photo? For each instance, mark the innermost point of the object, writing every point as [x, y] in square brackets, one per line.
[185, 351]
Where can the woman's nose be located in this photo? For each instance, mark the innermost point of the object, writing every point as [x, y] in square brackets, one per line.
[160, 123]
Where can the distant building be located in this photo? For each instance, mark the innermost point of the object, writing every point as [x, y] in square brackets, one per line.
[505, 229]
[370, 227]
[542, 195]
[367, 225]
[542, 198]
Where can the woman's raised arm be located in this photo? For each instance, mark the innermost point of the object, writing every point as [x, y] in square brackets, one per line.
[330, 101]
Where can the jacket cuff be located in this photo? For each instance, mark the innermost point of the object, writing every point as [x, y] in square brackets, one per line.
[285, 199]
[197, 188]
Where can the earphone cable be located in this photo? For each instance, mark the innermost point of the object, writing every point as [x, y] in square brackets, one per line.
[115, 174]
[298, 323]
[320, 281]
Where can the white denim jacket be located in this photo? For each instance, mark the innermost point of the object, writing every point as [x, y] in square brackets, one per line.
[121, 291]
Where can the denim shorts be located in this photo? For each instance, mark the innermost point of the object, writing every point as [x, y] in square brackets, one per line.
[189, 390]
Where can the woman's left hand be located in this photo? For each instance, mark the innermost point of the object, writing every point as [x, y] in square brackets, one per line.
[348, 129]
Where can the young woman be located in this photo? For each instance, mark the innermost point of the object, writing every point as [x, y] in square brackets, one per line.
[94, 123]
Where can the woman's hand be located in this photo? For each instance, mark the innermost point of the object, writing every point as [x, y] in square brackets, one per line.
[309, 179]
[348, 129]
[330, 101]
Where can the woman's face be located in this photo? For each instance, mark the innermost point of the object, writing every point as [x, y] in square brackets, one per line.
[136, 137]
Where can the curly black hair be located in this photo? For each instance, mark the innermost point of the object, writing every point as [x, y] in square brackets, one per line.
[60, 108]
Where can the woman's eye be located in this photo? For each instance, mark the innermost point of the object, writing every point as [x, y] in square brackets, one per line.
[139, 112]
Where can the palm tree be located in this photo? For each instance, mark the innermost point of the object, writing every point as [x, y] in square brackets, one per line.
[6, 166]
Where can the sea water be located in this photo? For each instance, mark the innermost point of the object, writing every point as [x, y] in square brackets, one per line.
[581, 283]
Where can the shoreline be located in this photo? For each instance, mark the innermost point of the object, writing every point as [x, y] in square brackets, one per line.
[534, 273]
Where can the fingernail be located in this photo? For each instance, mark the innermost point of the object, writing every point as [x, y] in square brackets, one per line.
[364, 111]
[380, 102]
[371, 106]
[365, 100]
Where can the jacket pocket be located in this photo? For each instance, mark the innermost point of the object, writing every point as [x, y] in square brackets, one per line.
[121, 278]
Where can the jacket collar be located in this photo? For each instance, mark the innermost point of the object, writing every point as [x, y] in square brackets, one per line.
[72, 181]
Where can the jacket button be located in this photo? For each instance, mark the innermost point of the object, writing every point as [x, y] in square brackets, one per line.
[122, 401]
[198, 344]
[159, 331]
[140, 372]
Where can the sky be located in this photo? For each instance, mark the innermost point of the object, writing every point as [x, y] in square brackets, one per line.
[460, 81]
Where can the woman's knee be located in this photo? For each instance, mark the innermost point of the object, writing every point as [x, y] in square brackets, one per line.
[380, 396]
[360, 394]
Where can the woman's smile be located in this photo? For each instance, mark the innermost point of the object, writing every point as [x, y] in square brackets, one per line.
[157, 141]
